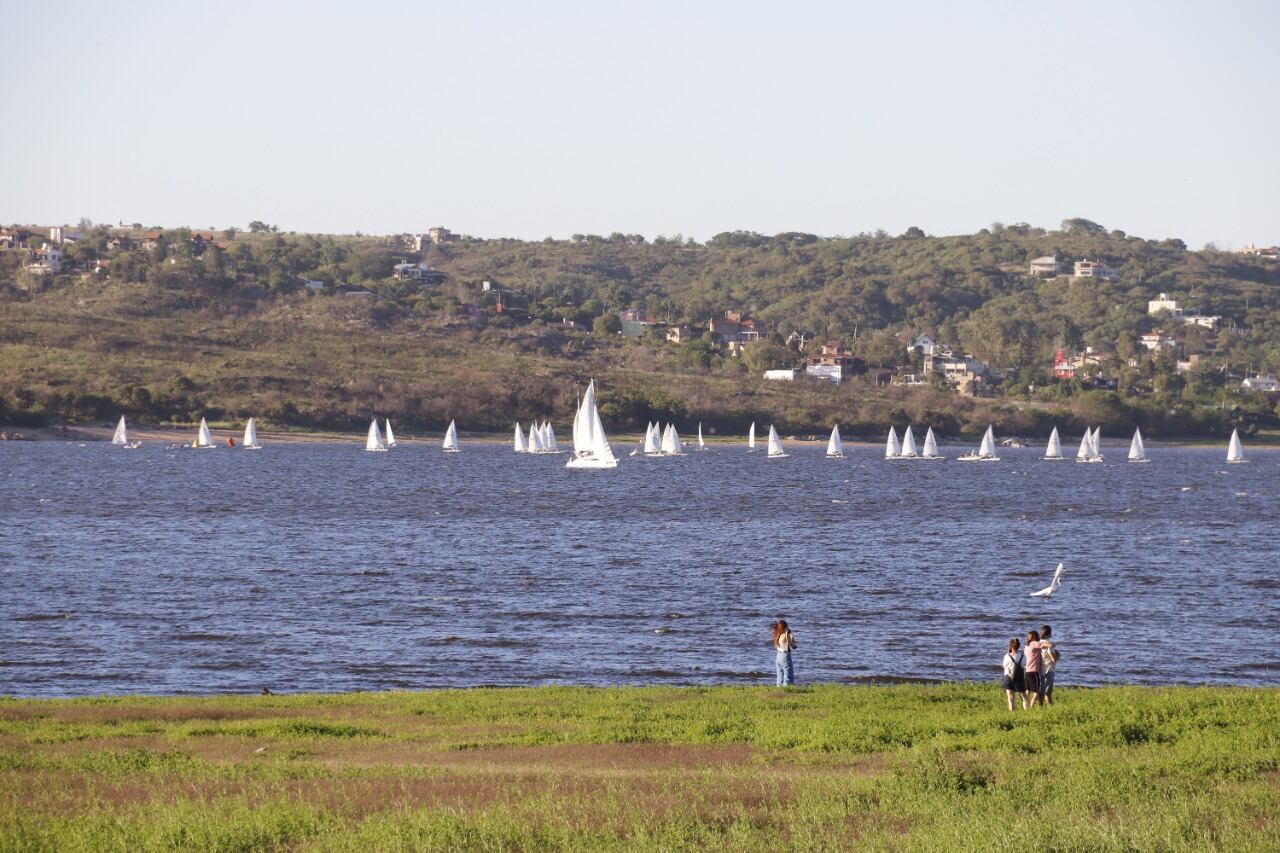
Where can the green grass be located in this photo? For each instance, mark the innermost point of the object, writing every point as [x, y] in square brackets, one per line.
[822, 768]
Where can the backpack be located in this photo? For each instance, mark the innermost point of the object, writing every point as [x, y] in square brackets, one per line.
[1018, 673]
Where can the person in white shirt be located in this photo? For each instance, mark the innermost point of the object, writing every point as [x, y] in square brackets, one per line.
[1048, 661]
[783, 643]
[1013, 674]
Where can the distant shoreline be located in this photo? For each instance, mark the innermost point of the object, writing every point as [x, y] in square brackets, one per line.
[184, 435]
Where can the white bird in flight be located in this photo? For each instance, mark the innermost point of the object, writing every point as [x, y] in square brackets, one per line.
[1049, 590]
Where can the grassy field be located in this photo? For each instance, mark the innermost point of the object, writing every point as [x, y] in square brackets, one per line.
[821, 768]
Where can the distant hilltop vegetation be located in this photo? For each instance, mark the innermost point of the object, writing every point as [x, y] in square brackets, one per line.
[1013, 325]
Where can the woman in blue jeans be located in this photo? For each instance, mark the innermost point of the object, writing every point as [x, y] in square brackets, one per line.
[783, 643]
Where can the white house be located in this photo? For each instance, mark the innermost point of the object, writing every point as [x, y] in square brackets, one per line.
[1157, 340]
[1046, 267]
[787, 375]
[925, 345]
[1095, 269]
[1268, 384]
[1164, 303]
[48, 259]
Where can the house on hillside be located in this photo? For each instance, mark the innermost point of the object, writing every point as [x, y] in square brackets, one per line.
[46, 259]
[1270, 253]
[439, 234]
[1267, 384]
[13, 238]
[834, 362]
[1188, 317]
[799, 341]
[781, 375]
[1157, 340]
[1089, 362]
[924, 345]
[681, 333]
[736, 329]
[150, 240]
[636, 321]
[1046, 267]
[1095, 269]
[119, 243]
[417, 272]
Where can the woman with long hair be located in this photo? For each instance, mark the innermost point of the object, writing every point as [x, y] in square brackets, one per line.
[783, 643]
[1013, 680]
[1031, 679]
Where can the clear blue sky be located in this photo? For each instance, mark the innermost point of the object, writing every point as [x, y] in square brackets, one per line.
[545, 119]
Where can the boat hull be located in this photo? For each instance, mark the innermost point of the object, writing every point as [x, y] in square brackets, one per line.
[588, 463]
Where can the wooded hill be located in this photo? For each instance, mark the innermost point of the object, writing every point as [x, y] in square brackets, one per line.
[229, 330]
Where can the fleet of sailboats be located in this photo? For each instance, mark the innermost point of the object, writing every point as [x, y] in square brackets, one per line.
[590, 445]
[835, 447]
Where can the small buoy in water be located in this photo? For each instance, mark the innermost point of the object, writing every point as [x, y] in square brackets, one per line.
[1187, 488]
[661, 630]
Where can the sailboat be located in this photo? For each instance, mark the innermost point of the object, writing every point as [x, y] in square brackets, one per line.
[892, 450]
[986, 451]
[250, 437]
[1053, 450]
[519, 443]
[930, 446]
[776, 450]
[391, 436]
[450, 444]
[121, 438]
[751, 438]
[1049, 590]
[671, 445]
[1085, 453]
[204, 439]
[1137, 450]
[374, 442]
[590, 444]
[702, 445]
[549, 443]
[909, 444]
[652, 441]
[1235, 455]
[535, 439]
[1095, 444]
[835, 447]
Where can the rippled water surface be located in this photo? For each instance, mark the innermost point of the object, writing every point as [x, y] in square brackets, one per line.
[322, 567]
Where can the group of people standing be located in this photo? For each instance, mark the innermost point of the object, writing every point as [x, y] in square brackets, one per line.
[1028, 671]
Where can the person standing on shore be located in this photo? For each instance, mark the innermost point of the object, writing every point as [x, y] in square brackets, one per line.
[1048, 661]
[1013, 680]
[1031, 678]
[783, 643]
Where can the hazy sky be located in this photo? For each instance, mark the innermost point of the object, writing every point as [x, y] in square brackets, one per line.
[548, 118]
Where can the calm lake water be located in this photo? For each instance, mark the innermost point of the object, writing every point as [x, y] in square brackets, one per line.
[313, 567]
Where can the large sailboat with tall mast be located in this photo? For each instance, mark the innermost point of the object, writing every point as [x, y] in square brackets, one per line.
[590, 445]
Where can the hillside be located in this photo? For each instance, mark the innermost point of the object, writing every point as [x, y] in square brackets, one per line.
[227, 329]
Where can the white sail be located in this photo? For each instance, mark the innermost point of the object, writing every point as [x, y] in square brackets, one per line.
[1137, 450]
[751, 437]
[988, 448]
[909, 444]
[652, 445]
[590, 445]
[450, 444]
[892, 450]
[1086, 446]
[391, 436]
[931, 446]
[121, 438]
[204, 438]
[518, 443]
[373, 441]
[671, 444]
[535, 439]
[776, 450]
[251, 437]
[1095, 443]
[835, 447]
[1234, 452]
[1053, 450]
[552, 446]
[701, 444]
